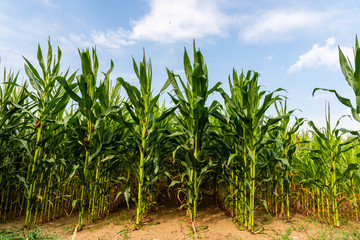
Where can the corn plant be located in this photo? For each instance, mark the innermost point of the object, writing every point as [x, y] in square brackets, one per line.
[352, 76]
[237, 161]
[351, 183]
[141, 111]
[192, 122]
[49, 100]
[285, 141]
[160, 147]
[249, 106]
[12, 127]
[331, 148]
[89, 106]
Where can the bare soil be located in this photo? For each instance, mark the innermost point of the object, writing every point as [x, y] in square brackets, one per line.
[168, 222]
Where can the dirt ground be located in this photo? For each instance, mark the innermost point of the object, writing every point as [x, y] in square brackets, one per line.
[168, 222]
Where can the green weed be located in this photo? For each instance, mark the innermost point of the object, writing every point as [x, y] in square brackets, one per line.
[21, 234]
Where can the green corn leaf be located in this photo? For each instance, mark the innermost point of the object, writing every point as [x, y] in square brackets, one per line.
[34, 72]
[130, 93]
[95, 154]
[132, 113]
[174, 84]
[346, 69]
[167, 113]
[41, 61]
[33, 80]
[73, 171]
[69, 90]
[344, 101]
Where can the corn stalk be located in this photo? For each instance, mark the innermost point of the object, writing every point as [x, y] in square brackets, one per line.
[247, 107]
[192, 122]
[141, 111]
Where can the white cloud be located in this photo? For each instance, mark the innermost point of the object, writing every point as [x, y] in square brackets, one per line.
[111, 39]
[277, 24]
[168, 21]
[320, 56]
[177, 20]
[81, 40]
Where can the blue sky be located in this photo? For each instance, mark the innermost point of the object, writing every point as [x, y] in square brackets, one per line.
[293, 44]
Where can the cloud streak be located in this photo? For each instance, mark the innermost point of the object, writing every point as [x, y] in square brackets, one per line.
[277, 24]
[319, 56]
[111, 39]
[177, 20]
[169, 21]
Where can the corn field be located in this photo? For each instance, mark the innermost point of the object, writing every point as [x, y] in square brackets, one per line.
[72, 144]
